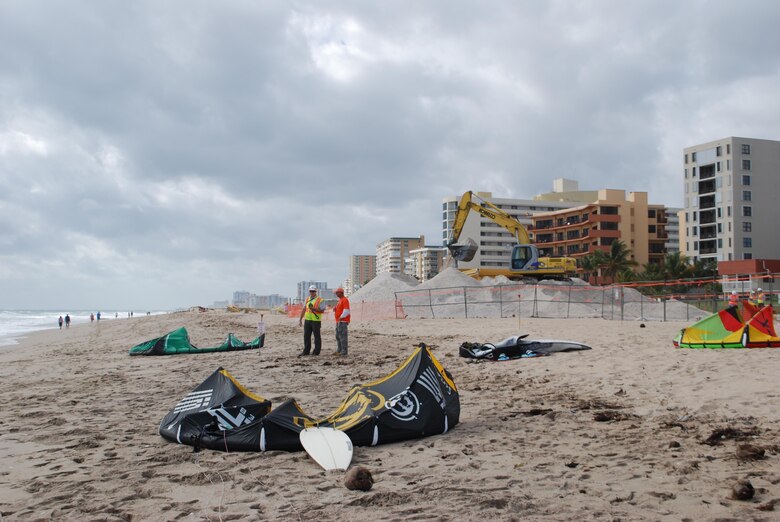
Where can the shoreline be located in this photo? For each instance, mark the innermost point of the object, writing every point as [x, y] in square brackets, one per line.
[79, 438]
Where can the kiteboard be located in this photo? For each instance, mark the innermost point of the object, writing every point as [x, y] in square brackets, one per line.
[330, 448]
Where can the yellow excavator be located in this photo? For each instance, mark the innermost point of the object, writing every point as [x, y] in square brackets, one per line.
[525, 260]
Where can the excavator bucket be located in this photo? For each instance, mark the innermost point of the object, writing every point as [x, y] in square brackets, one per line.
[463, 252]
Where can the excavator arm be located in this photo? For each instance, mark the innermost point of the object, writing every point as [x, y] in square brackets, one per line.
[488, 210]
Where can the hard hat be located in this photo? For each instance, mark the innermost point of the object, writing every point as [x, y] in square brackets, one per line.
[733, 292]
[312, 288]
[338, 290]
[760, 290]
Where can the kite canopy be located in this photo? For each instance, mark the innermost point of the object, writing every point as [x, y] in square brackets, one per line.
[417, 400]
[178, 341]
[516, 347]
[753, 328]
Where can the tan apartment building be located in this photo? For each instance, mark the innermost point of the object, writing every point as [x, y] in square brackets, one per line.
[731, 210]
[613, 216]
[362, 269]
[425, 263]
[391, 253]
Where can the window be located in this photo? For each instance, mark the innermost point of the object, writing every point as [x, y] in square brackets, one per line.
[695, 231]
[748, 255]
[720, 227]
[746, 179]
[745, 164]
[728, 164]
[747, 226]
[747, 195]
[728, 211]
[720, 243]
[718, 165]
[718, 151]
[694, 216]
[651, 229]
[686, 173]
[693, 172]
[745, 148]
[747, 242]
[686, 159]
[693, 157]
[728, 148]
[747, 211]
[719, 212]
[651, 213]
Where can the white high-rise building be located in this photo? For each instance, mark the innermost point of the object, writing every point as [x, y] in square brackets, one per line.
[731, 210]
[391, 253]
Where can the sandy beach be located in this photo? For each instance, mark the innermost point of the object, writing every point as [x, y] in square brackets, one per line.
[633, 429]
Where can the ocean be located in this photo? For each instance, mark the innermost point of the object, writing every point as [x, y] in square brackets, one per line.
[18, 323]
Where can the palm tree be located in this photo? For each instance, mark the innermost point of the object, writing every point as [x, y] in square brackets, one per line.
[592, 263]
[618, 259]
[676, 266]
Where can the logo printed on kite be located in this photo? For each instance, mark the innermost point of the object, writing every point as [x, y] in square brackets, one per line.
[405, 406]
[194, 400]
[429, 381]
[227, 421]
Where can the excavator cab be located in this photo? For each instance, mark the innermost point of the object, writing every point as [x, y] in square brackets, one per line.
[525, 257]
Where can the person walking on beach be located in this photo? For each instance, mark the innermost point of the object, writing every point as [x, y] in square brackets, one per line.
[311, 319]
[67, 321]
[60, 322]
[98, 316]
[342, 315]
[91, 318]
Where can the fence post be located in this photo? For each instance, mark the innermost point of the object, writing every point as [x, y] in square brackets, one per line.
[500, 303]
[430, 304]
[641, 306]
[465, 303]
[395, 304]
[534, 309]
[664, 301]
[568, 304]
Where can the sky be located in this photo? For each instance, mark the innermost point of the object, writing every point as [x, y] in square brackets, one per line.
[161, 155]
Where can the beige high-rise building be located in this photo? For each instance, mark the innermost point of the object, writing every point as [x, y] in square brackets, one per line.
[362, 269]
[425, 263]
[731, 210]
[392, 253]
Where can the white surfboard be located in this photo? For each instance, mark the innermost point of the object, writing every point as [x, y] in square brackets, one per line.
[331, 449]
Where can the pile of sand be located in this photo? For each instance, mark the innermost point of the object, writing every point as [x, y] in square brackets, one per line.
[453, 294]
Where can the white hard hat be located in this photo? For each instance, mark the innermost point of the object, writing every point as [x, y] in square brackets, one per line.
[733, 292]
[312, 288]
[760, 290]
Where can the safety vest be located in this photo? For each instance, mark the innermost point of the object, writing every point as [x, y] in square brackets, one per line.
[733, 300]
[760, 299]
[315, 302]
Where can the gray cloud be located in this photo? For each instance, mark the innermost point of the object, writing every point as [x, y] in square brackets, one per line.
[164, 155]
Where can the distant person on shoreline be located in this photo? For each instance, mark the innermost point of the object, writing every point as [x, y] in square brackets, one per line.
[91, 318]
[342, 315]
[98, 316]
[67, 321]
[60, 322]
[312, 325]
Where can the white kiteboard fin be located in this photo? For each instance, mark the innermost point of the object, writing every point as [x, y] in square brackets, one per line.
[330, 448]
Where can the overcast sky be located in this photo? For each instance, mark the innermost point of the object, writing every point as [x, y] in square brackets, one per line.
[164, 154]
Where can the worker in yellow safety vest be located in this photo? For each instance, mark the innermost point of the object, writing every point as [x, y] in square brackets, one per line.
[760, 297]
[311, 320]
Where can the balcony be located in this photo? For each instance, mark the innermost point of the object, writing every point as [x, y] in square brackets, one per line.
[605, 218]
[706, 217]
[706, 202]
[604, 233]
[705, 187]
